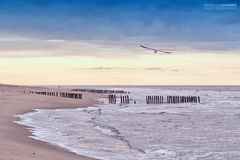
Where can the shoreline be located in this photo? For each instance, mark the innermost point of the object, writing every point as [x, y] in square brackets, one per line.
[15, 140]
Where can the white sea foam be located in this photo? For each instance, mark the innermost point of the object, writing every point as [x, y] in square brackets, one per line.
[209, 130]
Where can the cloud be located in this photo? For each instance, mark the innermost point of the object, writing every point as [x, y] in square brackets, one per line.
[101, 68]
[175, 70]
[162, 69]
[106, 68]
[220, 47]
[26, 47]
[27, 44]
[129, 69]
[155, 68]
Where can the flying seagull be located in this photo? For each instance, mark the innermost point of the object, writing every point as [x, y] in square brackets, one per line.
[156, 50]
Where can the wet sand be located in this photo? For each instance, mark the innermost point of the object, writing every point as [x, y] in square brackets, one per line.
[15, 143]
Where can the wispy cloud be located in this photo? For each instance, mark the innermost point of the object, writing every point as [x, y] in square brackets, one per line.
[155, 68]
[162, 69]
[105, 68]
[129, 69]
[219, 46]
[26, 47]
[101, 68]
[175, 70]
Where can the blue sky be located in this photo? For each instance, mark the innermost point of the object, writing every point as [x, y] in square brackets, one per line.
[179, 24]
[97, 41]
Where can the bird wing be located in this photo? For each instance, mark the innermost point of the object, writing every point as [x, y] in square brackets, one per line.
[147, 48]
[167, 52]
[156, 50]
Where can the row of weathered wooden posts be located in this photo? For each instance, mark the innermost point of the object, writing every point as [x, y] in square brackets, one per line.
[112, 99]
[59, 94]
[172, 99]
[102, 91]
[124, 99]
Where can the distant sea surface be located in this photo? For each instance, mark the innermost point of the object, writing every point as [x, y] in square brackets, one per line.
[189, 131]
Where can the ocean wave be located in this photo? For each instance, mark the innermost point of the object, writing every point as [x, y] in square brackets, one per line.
[205, 131]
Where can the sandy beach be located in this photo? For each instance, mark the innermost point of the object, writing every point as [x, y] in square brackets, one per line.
[15, 143]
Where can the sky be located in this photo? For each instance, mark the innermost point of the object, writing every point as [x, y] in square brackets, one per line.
[97, 42]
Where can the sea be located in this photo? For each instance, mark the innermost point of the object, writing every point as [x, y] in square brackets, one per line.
[209, 130]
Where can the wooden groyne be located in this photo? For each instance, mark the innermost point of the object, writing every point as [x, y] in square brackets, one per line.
[172, 99]
[100, 91]
[183, 99]
[112, 99]
[125, 99]
[59, 94]
[154, 99]
[71, 95]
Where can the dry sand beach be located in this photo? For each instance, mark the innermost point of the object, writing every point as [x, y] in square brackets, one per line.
[14, 140]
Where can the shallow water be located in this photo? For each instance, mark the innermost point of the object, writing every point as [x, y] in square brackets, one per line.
[210, 130]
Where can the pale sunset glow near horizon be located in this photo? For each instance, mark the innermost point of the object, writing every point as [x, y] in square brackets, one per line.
[96, 42]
